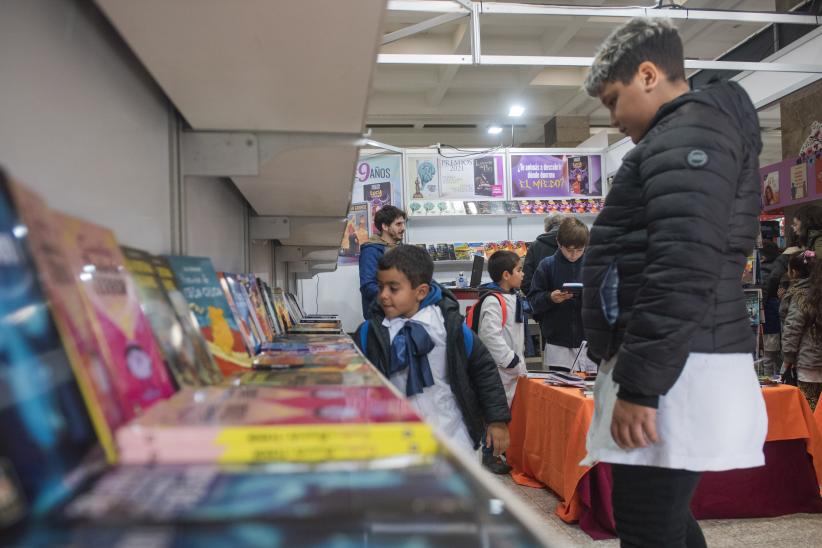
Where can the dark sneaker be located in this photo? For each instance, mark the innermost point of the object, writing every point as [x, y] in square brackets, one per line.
[495, 464]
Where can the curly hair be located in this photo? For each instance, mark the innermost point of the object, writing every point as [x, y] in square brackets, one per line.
[639, 40]
[812, 307]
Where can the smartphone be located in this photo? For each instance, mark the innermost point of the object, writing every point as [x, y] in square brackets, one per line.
[572, 287]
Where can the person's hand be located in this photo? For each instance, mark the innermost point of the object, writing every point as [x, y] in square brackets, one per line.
[559, 297]
[780, 292]
[633, 425]
[497, 436]
[788, 366]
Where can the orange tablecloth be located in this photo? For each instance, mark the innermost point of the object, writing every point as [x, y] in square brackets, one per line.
[549, 425]
[818, 416]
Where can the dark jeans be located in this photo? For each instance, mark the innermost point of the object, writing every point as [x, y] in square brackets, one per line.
[652, 507]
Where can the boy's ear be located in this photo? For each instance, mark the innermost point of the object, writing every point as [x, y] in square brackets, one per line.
[422, 291]
[649, 75]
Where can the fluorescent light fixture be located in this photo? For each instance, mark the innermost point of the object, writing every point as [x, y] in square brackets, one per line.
[493, 130]
[516, 111]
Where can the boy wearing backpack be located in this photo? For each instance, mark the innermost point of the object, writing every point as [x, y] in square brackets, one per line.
[418, 340]
[499, 319]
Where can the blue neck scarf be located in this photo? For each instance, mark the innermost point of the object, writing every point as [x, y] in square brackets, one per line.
[410, 349]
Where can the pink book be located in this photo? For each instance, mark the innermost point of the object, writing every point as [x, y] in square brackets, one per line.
[123, 332]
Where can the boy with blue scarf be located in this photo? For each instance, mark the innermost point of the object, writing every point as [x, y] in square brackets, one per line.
[416, 337]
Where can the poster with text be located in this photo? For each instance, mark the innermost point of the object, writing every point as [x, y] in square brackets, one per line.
[799, 181]
[538, 176]
[423, 178]
[472, 178]
[377, 182]
[770, 188]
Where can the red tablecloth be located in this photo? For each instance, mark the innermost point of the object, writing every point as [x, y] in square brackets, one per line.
[549, 426]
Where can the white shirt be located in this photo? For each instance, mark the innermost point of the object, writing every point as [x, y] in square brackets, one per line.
[436, 404]
[503, 341]
[712, 419]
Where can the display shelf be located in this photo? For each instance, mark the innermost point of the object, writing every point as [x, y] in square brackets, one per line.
[458, 262]
[414, 218]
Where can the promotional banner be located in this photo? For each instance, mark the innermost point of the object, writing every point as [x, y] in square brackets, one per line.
[555, 176]
[434, 178]
[377, 183]
[789, 182]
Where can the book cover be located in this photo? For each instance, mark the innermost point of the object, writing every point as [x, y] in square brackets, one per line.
[445, 208]
[270, 313]
[71, 317]
[539, 207]
[521, 248]
[443, 252]
[497, 208]
[458, 207]
[485, 177]
[207, 369]
[415, 209]
[462, 251]
[376, 195]
[491, 248]
[512, 208]
[471, 208]
[180, 356]
[123, 332]
[45, 431]
[753, 303]
[310, 377]
[240, 305]
[526, 207]
[483, 208]
[432, 250]
[199, 283]
[256, 424]
[477, 248]
[578, 175]
[249, 282]
[281, 308]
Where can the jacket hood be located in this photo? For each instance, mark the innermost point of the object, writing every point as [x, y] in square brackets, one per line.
[375, 240]
[434, 295]
[728, 97]
[549, 237]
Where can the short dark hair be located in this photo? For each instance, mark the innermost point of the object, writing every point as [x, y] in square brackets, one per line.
[501, 262]
[387, 215]
[802, 263]
[572, 233]
[414, 262]
[809, 217]
[637, 41]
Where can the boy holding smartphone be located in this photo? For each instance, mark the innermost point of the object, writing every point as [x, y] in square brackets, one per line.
[556, 308]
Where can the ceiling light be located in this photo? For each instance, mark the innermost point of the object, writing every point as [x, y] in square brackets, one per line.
[516, 110]
[493, 130]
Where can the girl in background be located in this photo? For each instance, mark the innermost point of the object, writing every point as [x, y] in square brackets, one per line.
[802, 324]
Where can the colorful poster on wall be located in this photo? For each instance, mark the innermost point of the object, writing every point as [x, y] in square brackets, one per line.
[799, 181]
[770, 188]
[423, 177]
[436, 178]
[356, 230]
[377, 182]
[538, 176]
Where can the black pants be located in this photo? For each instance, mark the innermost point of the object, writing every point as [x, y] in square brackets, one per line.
[652, 507]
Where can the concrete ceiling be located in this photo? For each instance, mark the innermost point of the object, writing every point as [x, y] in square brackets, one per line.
[419, 105]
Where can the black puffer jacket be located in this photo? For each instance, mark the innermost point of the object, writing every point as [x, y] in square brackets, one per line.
[663, 269]
[544, 246]
[474, 379]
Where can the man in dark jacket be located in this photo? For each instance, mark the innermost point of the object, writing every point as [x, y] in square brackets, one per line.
[558, 311]
[544, 246]
[663, 305]
[390, 221]
[418, 340]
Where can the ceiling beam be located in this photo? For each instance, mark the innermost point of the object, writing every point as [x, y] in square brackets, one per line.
[447, 74]
[422, 26]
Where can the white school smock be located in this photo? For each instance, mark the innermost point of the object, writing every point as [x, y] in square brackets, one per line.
[436, 404]
[712, 419]
[503, 341]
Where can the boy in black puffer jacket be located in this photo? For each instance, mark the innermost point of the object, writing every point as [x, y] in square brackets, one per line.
[663, 305]
[418, 340]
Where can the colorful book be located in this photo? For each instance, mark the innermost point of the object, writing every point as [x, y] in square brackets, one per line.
[310, 377]
[512, 208]
[240, 305]
[287, 359]
[458, 208]
[462, 251]
[71, 317]
[179, 353]
[207, 369]
[483, 208]
[491, 248]
[270, 313]
[521, 248]
[249, 281]
[497, 208]
[471, 208]
[477, 248]
[45, 431]
[198, 282]
[526, 207]
[123, 332]
[280, 307]
[262, 424]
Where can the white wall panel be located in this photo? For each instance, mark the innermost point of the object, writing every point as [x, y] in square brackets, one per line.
[81, 122]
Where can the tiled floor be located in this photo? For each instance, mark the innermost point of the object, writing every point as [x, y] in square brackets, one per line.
[796, 531]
